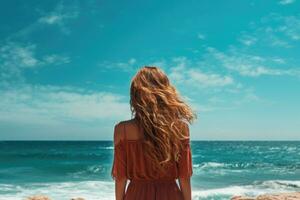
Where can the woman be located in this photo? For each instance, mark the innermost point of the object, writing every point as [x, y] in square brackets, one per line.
[152, 149]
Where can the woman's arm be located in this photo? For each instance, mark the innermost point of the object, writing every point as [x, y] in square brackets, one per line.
[120, 186]
[119, 168]
[185, 167]
[185, 186]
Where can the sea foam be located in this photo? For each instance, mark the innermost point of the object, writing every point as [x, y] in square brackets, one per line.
[104, 190]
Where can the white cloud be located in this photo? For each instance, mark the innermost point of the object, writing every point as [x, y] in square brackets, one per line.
[286, 2]
[23, 103]
[15, 57]
[57, 17]
[279, 60]
[182, 73]
[277, 42]
[200, 107]
[60, 15]
[23, 56]
[40, 104]
[273, 30]
[291, 27]
[132, 61]
[51, 19]
[127, 66]
[208, 79]
[201, 36]
[178, 70]
[56, 59]
[250, 65]
[248, 40]
[249, 96]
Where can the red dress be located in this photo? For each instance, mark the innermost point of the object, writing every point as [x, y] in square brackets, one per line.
[145, 183]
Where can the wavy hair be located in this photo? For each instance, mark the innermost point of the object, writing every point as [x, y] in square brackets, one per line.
[157, 107]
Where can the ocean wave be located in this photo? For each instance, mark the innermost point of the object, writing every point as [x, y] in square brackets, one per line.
[244, 165]
[106, 148]
[90, 170]
[104, 190]
[91, 190]
[52, 155]
[257, 188]
[209, 165]
[96, 169]
[279, 184]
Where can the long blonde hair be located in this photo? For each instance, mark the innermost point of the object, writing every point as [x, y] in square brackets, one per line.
[157, 106]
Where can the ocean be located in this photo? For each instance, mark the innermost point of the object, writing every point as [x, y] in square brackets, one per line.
[66, 169]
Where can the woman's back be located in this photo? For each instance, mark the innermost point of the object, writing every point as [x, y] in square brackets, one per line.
[131, 163]
[153, 156]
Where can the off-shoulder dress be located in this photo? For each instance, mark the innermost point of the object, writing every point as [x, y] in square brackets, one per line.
[145, 183]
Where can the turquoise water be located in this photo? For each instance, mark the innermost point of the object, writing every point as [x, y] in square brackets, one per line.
[71, 169]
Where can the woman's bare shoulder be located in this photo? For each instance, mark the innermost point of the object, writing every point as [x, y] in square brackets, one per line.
[123, 122]
[119, 131]
[129, 129]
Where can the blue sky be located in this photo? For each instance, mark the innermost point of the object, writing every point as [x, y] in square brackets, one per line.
[66, 66]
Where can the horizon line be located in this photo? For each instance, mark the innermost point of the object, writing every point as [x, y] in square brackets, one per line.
[231, 140]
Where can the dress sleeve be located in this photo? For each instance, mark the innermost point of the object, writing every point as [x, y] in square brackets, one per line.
[185, 163]
[119, 169]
